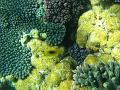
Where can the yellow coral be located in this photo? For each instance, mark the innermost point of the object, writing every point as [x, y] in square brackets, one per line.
[113, 39]
[34, 33]
[40, 48]
[103, 57]
[91, 59]
[85, 27]
[60, 72]
[116, 52]
[44, 56]
[98, 28]
[30, 83]
[65, 85]
[96, 40]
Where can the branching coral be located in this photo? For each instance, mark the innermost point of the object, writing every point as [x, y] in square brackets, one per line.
[98, 76]
[65, 12]
[51, 33]
[15, 59]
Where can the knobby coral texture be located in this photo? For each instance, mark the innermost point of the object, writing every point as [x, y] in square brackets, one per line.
[64, 11]
[78, 53]
[54, 32]
[43, 41]
[15, 58]
[16, 11]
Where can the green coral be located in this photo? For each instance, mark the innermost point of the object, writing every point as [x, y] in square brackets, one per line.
[54, 32]
[42, 61]
[99, 76]
[15, 12]
[49, 70]
[15, 58]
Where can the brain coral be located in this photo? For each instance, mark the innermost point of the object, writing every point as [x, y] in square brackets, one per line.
[14, 58]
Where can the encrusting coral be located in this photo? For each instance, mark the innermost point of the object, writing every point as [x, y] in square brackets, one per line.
[59, 73]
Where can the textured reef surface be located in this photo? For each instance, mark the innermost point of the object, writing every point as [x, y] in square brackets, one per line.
[59, 45]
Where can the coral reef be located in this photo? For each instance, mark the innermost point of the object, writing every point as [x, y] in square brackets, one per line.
[51, 33]
[59, 45]
[64, 11]
[49, 70]
[58, 75]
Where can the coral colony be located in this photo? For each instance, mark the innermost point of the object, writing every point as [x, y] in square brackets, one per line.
[59, 45]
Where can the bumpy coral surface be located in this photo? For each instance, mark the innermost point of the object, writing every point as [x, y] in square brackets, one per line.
[65, 10]
[14, 12]
[78, 53]
[52, 33]
[15, 59]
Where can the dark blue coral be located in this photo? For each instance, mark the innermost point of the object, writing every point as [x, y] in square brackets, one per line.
[78, 53]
